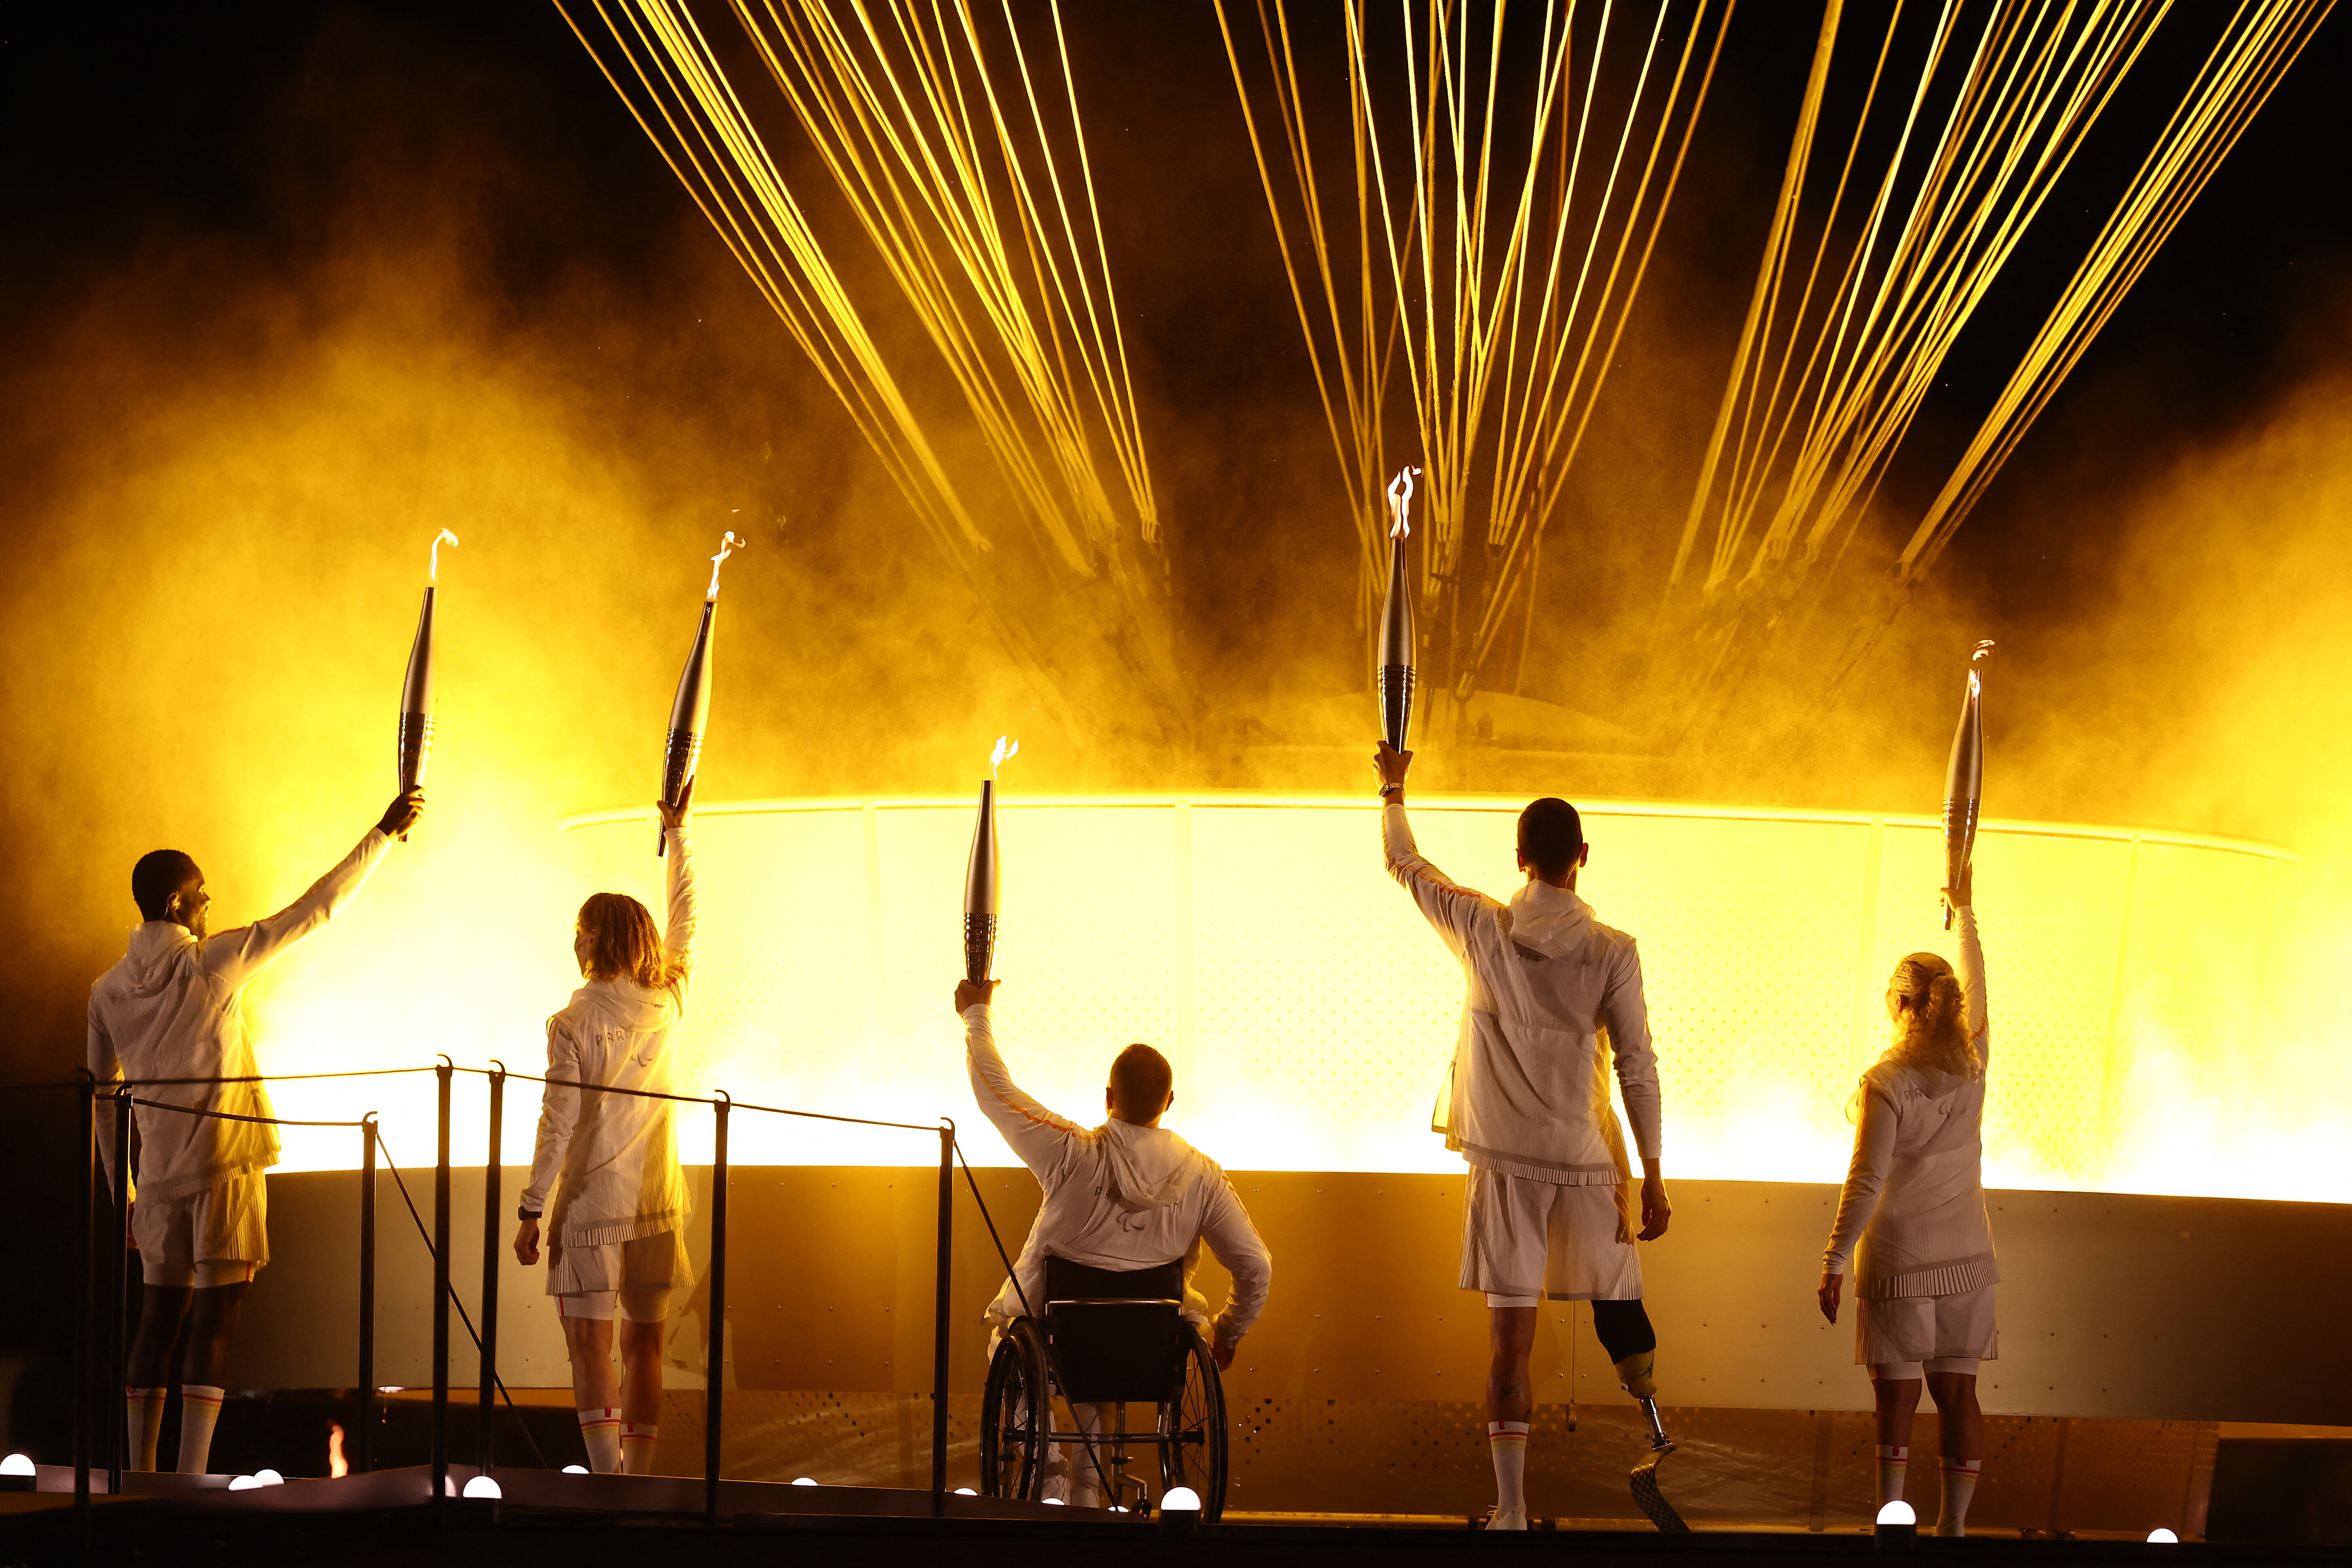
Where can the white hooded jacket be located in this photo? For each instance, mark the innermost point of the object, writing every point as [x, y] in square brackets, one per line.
[1116, 1196]
[611, 1158]
[172, 1009]
[1554, 997]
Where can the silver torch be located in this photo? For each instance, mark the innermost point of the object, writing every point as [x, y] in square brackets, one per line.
[414, 740]
[1964, 779]
[689, 712]
[979, 875]
[1396, 620]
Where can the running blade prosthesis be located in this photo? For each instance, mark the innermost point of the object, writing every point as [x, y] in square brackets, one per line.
[1645, 1479]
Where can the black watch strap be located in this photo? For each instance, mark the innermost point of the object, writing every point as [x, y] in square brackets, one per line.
[526, 1214]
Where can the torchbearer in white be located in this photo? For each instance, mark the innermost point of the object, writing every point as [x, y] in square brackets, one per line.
[1549, 1210]
[689, 712]
[1396, 621]
[605, 1174]
[1964, 781]
[980, 874]
[414, 741]
[1911, 1223]
[172, 1009]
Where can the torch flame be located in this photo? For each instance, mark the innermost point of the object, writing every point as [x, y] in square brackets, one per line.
[1984, 649]
[337, 1466]
[433, 556]
[1401, 502]
[727, 544]
[996, 759]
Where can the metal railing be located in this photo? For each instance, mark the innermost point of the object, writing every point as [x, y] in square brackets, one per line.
[91, 1429]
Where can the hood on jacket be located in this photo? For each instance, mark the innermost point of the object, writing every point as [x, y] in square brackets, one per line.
[627, 1004]
[1550, 921]
[1146, 1167]
[155, 945]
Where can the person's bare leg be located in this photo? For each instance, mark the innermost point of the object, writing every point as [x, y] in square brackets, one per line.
[595, 1390]
[641, 1394]
[1959, 1430]
[212, 1329]
[161, 1309]
[148, 1368]
[1898, 1403]
[1511, 1398]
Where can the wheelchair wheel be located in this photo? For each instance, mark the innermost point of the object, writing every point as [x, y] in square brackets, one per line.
[1193, 1418]
[1015, 1412]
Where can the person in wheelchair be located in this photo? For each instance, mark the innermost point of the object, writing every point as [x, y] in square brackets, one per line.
[1127, 1206]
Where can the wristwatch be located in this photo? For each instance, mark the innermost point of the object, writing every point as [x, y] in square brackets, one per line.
[1388, 789]
[525, 1214]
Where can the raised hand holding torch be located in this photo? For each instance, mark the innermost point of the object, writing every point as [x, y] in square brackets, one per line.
[1396, 619]
[413, 740]
[1964, 782]
[979, 875]
[689, 712]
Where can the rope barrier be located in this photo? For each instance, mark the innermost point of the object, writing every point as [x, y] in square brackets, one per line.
[426, 1238]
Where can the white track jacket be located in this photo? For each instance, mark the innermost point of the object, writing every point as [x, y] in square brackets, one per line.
[1116, 1196]
[170, 1009]
[611, 1158]
[1914, 1208]
[1554, 996]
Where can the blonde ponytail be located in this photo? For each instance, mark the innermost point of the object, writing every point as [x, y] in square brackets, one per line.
[1932, 1024]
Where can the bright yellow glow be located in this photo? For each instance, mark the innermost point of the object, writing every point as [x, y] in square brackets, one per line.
[1309, 1012]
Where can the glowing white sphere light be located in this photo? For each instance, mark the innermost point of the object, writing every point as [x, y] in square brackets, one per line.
[247, 1484]
[576, 1469]
[483, 1485]
[268, 1478]
[1180, 1500]
[965, 1491]
[1898, 1512]
[802, 1481]
[17, 1465]
[2163, 1537]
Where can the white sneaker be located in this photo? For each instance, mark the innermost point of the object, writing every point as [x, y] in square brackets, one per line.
[1517, 1518]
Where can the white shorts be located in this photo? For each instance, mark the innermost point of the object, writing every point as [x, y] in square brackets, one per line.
[1926, 1330]
[216, 1236]
[1523, 1239]
[634, 1277]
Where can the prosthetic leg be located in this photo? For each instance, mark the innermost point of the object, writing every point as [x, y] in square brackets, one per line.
[1632, 1345]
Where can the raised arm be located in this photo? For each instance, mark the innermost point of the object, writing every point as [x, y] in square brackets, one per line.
[1972, 984]
[1235, 1242]
[1443, 902]
[1040, 1138]
[677, 936]
[238, 955]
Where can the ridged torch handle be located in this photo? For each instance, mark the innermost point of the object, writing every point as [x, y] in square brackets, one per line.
[979, 947]
[1396, 704]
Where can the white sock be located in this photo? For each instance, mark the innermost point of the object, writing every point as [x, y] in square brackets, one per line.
[200, 1407]
[1507, 1441]
[1893, 1466]
[601, 1431]
[637, 1447]
[1959, 1487]
[142, 1408]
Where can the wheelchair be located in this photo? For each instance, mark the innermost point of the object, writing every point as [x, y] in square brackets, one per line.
[1109, 1337]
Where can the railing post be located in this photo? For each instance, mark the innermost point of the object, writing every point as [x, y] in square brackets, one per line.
[113, 1420]
[944, 1268]
[86, 1306]
[363, 1448]
[714, 1356]
[441, 1290]
[485, 1410]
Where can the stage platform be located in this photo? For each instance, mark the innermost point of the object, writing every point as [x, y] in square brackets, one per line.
[389, 1517]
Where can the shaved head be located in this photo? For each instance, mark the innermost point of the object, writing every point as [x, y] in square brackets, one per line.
[159, 875]
[1140, 1079]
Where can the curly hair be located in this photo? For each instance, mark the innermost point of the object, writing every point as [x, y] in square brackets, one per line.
[1931, 1024]
[625, 944]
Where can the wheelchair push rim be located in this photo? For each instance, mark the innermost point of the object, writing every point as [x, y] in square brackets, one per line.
[1193, 1428]
[1015, 1412]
